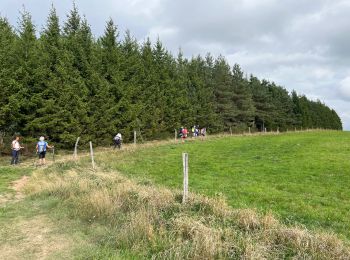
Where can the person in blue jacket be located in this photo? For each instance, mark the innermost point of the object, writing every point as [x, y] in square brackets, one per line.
[41, 148]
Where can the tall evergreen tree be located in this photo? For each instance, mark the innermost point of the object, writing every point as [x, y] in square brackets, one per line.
[43, 100]
[224, 93]
[26, 56]
[242, 99]
[262, 103]
[9, 106]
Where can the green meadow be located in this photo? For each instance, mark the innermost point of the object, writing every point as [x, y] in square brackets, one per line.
[301, 177]
[267, 196]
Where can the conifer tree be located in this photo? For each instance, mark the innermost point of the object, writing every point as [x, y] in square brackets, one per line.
[242, 99]
[26, 60]
[44, 98]
[224, 93]
[9, 106]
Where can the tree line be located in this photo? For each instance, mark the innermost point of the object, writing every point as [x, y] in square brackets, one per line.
[63, 82]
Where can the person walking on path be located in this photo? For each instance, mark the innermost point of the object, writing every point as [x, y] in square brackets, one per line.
[118, 141]
[15, 147]
[196, 131]
[41, 147]
[203, 132]
[184, 134]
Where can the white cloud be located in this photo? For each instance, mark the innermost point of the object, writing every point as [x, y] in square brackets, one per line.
[344, 88]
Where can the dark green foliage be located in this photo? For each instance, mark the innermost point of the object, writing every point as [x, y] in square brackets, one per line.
[66, 84]
[242, 100]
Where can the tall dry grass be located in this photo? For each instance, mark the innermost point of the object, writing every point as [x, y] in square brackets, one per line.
[151, 222]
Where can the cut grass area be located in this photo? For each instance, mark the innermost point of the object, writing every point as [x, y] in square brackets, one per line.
[302, 177]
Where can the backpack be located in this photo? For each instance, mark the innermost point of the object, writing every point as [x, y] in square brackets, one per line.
[41, 146]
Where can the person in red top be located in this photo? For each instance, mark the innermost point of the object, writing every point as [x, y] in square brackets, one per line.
[184, 134]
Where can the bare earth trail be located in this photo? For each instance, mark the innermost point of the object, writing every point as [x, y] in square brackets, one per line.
[34, 235]
[17, 186]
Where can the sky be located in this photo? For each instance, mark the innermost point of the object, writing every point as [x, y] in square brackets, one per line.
[302, 45]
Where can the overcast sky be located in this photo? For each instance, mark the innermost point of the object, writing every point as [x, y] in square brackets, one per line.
[299, 44]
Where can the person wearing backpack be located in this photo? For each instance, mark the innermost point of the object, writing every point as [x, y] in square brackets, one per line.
[193, 131]
[180, 131]
[196, 131]
[117, 141]
[41, 147]
[15, 147]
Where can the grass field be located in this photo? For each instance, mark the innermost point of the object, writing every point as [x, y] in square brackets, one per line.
[301, 177]
[130, 206]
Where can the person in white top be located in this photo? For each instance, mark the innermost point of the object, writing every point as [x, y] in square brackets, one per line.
[118, 141]
[16, 147]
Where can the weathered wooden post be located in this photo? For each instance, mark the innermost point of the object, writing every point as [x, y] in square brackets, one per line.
[75, 154]
[135, 138]
[185, 181]
[230, 130]
[175, 135]
[92, 156]
[265, 130]
[278, 130]
[249, 130]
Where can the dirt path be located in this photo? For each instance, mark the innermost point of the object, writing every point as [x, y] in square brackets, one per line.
[34, 238]
[17, 186]
[34, 235]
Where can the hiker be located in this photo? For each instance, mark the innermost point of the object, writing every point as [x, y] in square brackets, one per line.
[118, 141]
[41, 147]
[184, 133]
[203, 132]
[15, 147]
[196, 131]
[180, 132]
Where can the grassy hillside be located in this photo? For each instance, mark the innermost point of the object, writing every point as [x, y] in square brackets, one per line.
[71, 211]
[302, 177]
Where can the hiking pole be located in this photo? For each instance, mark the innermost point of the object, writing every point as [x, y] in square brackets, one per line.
[53, 154]
[34, 162]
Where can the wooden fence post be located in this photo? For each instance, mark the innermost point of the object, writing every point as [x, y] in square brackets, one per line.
[135, 138]
[249, 131]
[185, 181]
[92, 156]
[75, 154]
[230, 130]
